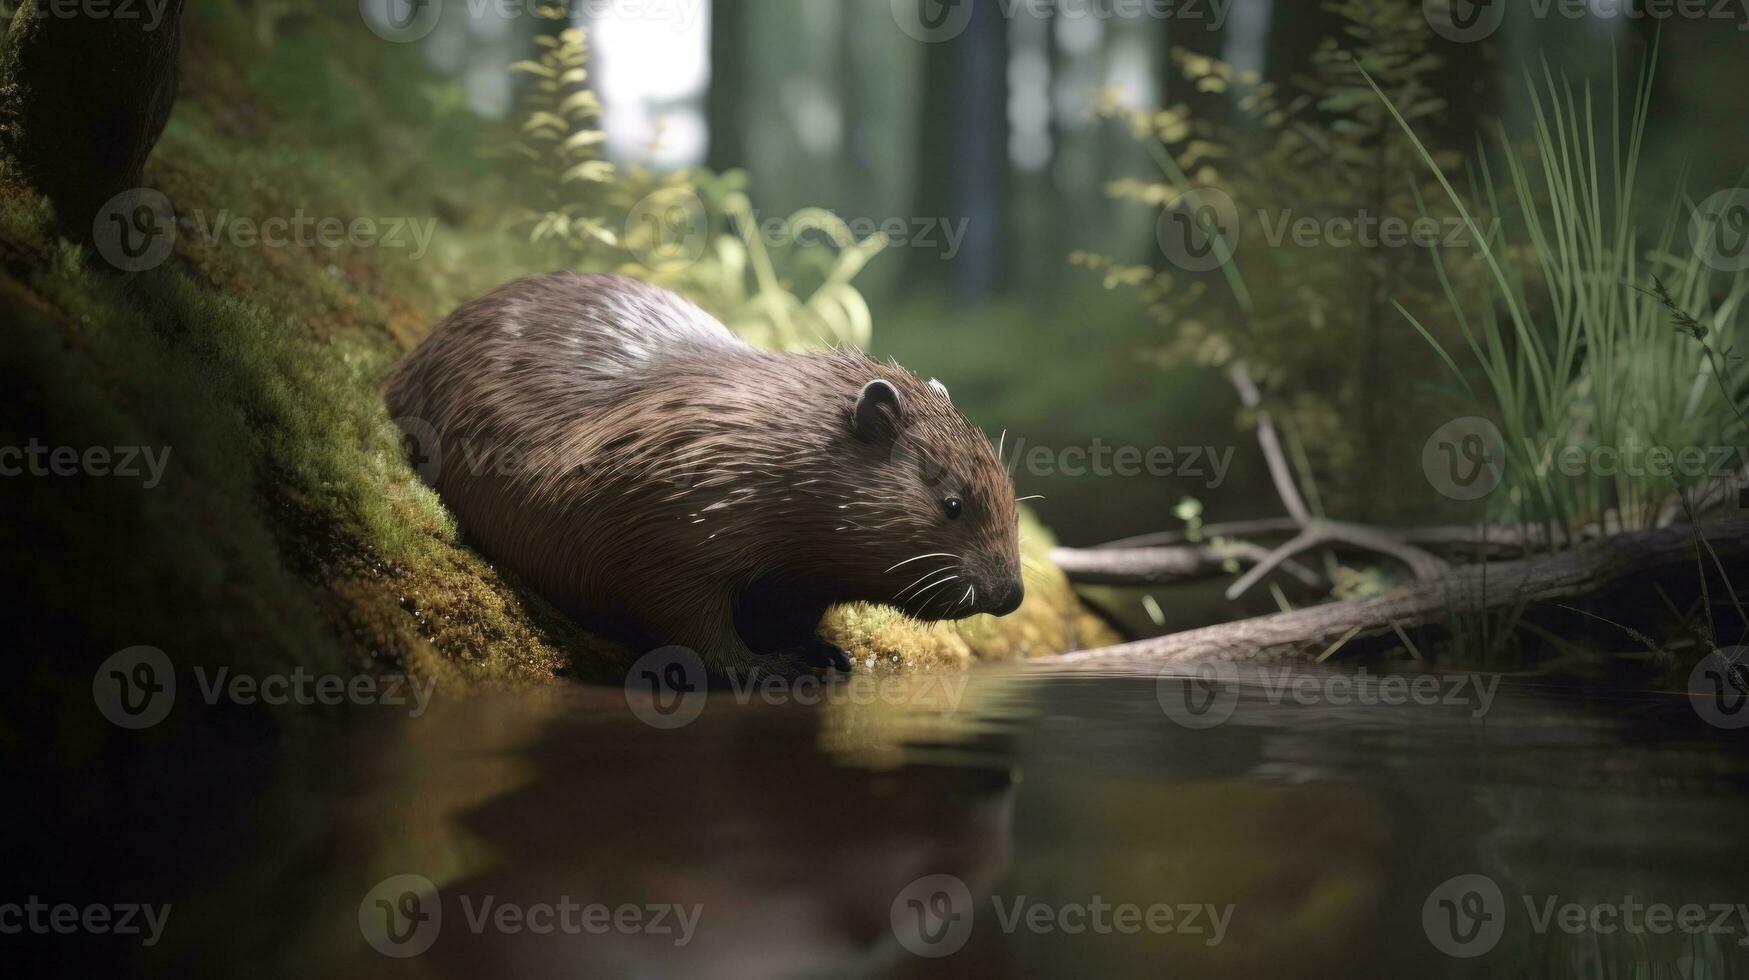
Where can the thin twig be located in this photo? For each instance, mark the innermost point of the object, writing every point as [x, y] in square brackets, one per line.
[1314, 531]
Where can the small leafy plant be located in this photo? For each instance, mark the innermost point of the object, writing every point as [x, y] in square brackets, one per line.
[559, 145]
[691, 230]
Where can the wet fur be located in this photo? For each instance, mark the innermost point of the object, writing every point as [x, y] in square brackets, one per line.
[655, 476]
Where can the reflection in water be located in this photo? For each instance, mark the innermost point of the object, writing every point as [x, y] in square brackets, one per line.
[1290, 832]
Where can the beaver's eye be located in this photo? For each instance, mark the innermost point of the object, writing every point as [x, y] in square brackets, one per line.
[953, 506]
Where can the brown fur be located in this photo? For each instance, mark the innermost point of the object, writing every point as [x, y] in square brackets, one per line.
[651, 474]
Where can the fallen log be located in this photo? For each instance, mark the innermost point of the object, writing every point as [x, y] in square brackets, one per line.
[1304, 633]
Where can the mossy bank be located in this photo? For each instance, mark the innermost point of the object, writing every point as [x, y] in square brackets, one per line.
[285, 528]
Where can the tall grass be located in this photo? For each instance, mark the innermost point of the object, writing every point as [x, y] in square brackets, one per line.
[1580, 359]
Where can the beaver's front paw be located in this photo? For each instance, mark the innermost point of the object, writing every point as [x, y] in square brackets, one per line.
[824, 655]
[810, 657]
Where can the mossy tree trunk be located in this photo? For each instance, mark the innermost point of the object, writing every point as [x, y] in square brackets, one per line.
[85, 91]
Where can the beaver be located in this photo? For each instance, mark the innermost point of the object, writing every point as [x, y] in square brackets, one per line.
[664, 482]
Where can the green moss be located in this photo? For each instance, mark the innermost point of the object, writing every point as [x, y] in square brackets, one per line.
[288, 530]
[1051, 620]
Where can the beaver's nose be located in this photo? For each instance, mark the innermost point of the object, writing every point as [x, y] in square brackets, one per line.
[1007, 597]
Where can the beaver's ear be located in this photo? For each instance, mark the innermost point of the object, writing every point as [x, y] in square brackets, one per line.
[877, 411]
[941, 390]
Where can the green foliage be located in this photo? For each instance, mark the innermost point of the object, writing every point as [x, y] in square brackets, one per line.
[289, 530]
[560, 147]
[757, 287]
[693, 231]
[1310, 320]
[1596, 349]
[336, 99]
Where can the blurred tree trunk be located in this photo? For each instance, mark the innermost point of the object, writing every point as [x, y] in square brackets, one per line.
[730, 86]
[962, 170]
[852, 105]
[84, 99]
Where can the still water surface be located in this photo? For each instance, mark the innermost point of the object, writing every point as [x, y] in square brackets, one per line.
[1009, 822]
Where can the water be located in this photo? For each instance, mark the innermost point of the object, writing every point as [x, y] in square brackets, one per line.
[1008, 822]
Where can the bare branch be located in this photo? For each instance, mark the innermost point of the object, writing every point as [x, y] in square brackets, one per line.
[1159, 566]
[1285, 488]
